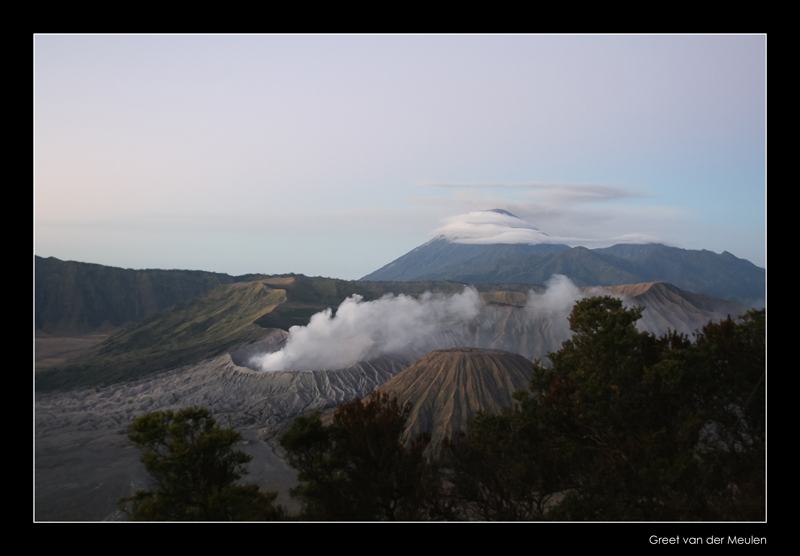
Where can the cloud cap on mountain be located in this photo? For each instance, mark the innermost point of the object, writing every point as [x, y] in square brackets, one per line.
[487, 227]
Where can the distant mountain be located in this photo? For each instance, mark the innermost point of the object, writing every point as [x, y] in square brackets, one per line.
[719, 275]
[73, 297]
[440, 257]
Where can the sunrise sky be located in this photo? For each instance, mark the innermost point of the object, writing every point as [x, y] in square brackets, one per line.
[333, 155]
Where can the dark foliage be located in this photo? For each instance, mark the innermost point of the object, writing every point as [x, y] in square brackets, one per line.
[195, 469]
[625, 426]
[358, 469]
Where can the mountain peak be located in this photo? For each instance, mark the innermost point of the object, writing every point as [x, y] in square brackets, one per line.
[501, 211]
[494, 226]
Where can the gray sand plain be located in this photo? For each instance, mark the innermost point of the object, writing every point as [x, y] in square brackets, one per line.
[84, 461]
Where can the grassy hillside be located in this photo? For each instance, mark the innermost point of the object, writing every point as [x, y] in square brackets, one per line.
[77, 298]
[202, 327]
[230, 316]
[72, 297]
[307, 296]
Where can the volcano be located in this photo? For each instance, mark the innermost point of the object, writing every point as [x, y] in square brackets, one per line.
[475, 240]
[80, 441]
[496, 246]
[448, 386]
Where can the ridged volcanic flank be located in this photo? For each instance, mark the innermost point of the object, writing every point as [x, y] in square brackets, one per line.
[448, 386]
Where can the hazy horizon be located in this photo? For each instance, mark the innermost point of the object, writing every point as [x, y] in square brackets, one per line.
[332, 155]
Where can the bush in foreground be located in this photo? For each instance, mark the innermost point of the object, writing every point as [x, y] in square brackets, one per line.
[195, 469]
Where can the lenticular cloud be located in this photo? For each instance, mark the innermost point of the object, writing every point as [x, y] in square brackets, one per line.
[487, 227]
[365, 329]
[496, 226]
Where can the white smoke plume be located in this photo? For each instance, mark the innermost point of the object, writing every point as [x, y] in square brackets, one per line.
[366, 329]
[552, 307]
[411, 327]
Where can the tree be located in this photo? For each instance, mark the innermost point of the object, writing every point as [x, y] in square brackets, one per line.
[732, 356]
[357, 468]
[195, 469]
[626, 426]
[502, 469]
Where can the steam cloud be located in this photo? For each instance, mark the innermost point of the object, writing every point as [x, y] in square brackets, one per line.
[365, 329]
[553, 306]
[403, 325]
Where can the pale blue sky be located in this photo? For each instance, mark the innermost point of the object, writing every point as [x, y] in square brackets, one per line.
[333, 155]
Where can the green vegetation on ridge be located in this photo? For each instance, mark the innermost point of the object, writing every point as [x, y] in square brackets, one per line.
[72, 297]
[202, 327]
[229, 316]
